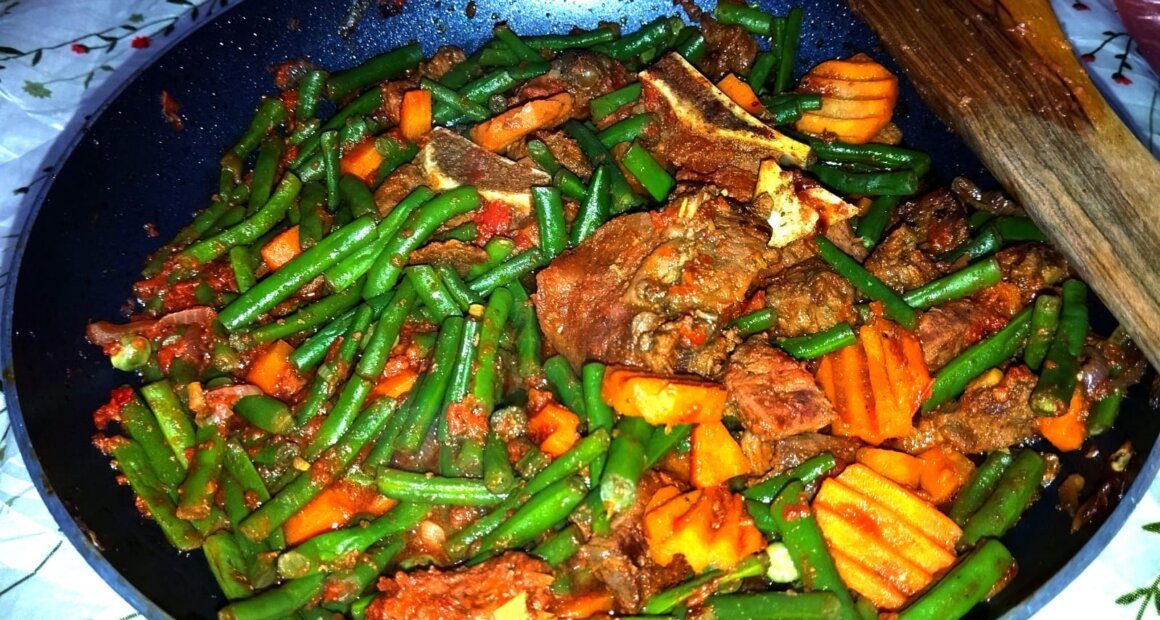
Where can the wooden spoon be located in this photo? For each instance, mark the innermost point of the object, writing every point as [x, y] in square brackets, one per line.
[1003, 76]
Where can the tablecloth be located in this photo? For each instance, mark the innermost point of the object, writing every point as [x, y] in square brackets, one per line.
[60, 58]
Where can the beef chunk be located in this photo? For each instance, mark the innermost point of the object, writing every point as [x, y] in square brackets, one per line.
[774, 457]
[652, 289]
[808, 298]
[939, 219]
[395, 188]
[728, 49]
[1031, 267]
[899, 262]
[949, 329]
[773, 394]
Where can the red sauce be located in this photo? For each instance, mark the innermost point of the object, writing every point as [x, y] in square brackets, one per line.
[494, 218]
[111, 411]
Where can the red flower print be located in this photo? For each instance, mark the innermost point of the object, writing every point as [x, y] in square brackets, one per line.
[1088, 57]
[1120, 78]
[140, 43]
[80, 48]
[1079, 6]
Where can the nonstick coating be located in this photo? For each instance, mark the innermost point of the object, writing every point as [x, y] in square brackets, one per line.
[80, 256]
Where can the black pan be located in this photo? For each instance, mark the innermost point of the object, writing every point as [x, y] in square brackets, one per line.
[77, 259]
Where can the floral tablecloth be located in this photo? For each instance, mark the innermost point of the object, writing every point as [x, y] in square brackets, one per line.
[60, 58]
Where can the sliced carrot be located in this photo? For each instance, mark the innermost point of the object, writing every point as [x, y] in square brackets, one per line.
[273, 372]
[861, 579]
[555, 428]
[663, 510]
[691, 537]
[334, 508]
[709, 527]
[1068, 431]
[415, 116]
[663, 400]
[496, 133]
[282, 248]
[944, 472]
[872, 550]
[852, 392]
[363, 161]
[858, 98]
[396, 385]
[859, 68]
[716, 457]
[584, 605]
[741, 94]
[897, 466]
[909, 506]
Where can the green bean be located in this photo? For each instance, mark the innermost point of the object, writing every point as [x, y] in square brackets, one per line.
[354, 193]
[429, 394]
[532, 462]
[788, 50]
[311, 316]
[201, 482]
[270, 114]
[266, 413]
[509, 271]
[600, 415]
[545, 508]
[382, 67]
[1060, 372]
[395, 153]
[873, 224]
[807, 472]
[1018, 229]
[497, 56]
[786, 112]
[453, 103]
[511, 41]
[651, 175]
[595, 209]
[802, 537]
[664, 440]
[762, 520]
[626, 130]
[529, 342]
[753, 20]
[561, 546]
[280, 602]
[313, 224]
[241, 469]
[466, 232]
[890, 183]
[326, 469]
[456, 287]
[759, 72]
[422, 223]
[227, 564]
[315, 554]
[330, 166]
[415, 487]
[171, 418]
[457, 389]
[986, 242]
[463, 72]
[432, 292]
[1013, 493]
[486, 377]
[370, 367]
[755, 322]
[265, 169]
[498, 475]
[896, 307]
[310, 353]
[569, 184]
[142, 426]
[979, 487]
[575, 39]
[623, 199]
[550, 219]
[566, 384]
[650, 35]
[774, 606]
[499, 81]
[877, 155]
[812, 346]
[355, 266]
[625, 463]
[966, 585]
[498, 249]
[693, 46]
[1044, 322]
[953, 378]
[249, 230]
[240, 265]
[134, 465]
[304, 131]
[342, 588]
[665, 601]
[962, 283]
[294, 274]
[1104, 412]
[610, 102]
[310, 89]
[542, 155]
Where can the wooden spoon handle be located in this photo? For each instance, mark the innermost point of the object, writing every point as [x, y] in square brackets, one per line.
[1003, 76]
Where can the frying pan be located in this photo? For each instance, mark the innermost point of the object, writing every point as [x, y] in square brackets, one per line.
[78, 256]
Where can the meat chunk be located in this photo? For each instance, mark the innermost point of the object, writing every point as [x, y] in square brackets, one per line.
[808, 298]
[567, 152]
[446, 57]
[652, 289]
[584, 74]
[774, 457]
[1031, 267]
[899, 262]
[395, 188]
[988, 418]
[773, 394]
[948, 330]
[468, 593]
[728, 49]
[940, 220]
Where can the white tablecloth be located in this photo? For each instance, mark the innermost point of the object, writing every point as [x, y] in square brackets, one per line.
[84, 44]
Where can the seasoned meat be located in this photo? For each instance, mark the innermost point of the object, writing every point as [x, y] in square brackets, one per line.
[395, 188]
[584, 74]
[468, 593]
[988, 418]
[728, 49]
[939, 219]
[947, 330]
[842, 235]
[899, 262]
[1031, 267]
[458, 255]
[567, 152]
[773, 457]
[446, 57]
[773, 394]
[652, 289]
[808, 298]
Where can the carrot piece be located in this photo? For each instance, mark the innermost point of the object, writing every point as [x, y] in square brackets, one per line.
[876, 518]
[395, 385]
[716, 457]
[859, 578]
[496, 133]
[415, 115]
[663, 400]
[709, 527]
[334, 508]
[871, 550]
[944, 472]
[555, 428]
[897, 466]
[852, 392]
[741, 94]
[663, 510]
[886, 409]
[282, 248]
[362, 160]
[906, 504]
[1067, 431]
[273, 373]
[584, 605]
[692, 536]
[858, 98]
